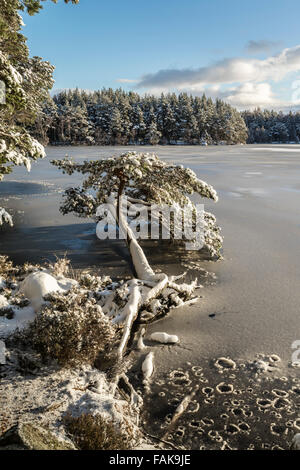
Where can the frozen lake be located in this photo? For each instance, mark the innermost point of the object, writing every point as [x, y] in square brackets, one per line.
[251, 308]
[254, 306]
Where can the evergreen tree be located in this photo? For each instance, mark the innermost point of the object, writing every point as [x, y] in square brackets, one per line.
[115, 129]
[153, 135]
[138, 125]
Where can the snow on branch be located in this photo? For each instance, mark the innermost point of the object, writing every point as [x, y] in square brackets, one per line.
[5, 217]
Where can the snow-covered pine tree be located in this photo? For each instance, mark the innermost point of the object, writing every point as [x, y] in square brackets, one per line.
[144, 179]
[169, 124]
[81, 128]
[138, 125]
[153, 135]
[44, 126]
[126, 124]
[101, 116]
[115, 128]
[187, 122]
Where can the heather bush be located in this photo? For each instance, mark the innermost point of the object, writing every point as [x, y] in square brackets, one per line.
[89, 432]
[72, 329]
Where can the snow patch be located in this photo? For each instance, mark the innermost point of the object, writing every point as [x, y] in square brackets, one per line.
[38, 284]
[162, 337]
[148, 367]
[22, 317]
[3, 301]
[2, 283]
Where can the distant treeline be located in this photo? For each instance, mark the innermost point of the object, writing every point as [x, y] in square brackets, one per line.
[116, 117]
[109, 117]
[271, 126]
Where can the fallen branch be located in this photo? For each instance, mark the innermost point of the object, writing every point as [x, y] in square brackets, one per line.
[130, 313]
[181, 408]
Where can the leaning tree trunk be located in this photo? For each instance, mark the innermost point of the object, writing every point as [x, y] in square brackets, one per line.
[141, 265]
[147, 290]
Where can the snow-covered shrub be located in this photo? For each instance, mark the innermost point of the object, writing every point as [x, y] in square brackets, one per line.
[93, 432]
[6, 267]
[13, 273]
[71, 328]
[94, 283]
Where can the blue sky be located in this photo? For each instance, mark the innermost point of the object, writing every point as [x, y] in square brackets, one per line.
[244, 52]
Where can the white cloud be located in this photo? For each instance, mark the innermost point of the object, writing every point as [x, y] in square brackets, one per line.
[244, 82]
[246, 95]
[251, 95]
[228, 71]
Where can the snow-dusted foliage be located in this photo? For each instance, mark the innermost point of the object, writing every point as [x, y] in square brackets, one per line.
[93, 432]
[144, 179]
[26, 84]
[71, 328]
[5, 217]
[139, 175]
